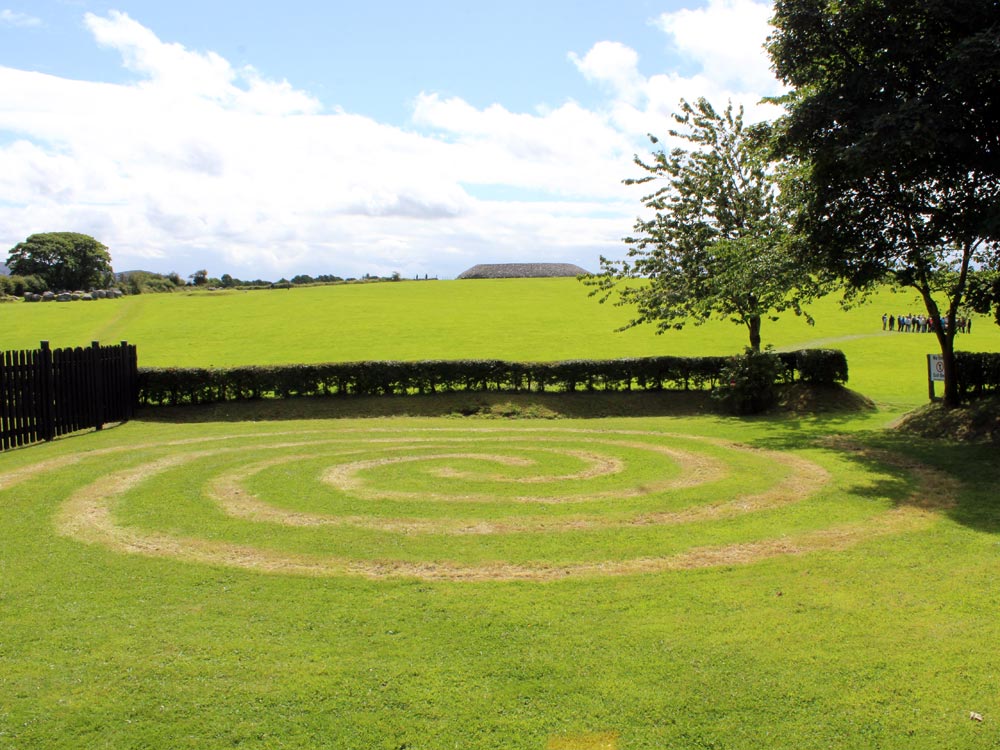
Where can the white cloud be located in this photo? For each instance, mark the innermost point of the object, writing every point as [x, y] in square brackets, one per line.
[13, 18]
[722, 43]
[726, 40]
[197, 164]
[173, 71]
[567, 151]
[614, 65]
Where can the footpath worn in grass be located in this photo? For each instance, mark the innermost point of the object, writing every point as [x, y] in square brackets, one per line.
[684, 582]
[517, 319]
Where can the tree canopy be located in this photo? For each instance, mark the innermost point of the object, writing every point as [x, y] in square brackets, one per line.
[65, 260]
[895, 117]
[717, 240]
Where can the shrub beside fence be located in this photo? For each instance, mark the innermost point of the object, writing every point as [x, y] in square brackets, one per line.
[45, 393]
[160, 386]
[978, 373]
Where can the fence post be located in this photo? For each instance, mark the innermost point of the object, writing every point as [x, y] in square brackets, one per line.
[98, 380]
[46, 393]
[131, 366]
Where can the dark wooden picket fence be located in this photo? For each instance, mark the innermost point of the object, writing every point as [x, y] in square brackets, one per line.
[45, 393]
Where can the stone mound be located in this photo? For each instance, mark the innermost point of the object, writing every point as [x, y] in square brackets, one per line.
[522, 271]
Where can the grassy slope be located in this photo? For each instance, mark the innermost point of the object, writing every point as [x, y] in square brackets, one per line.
[539, 319]
[888, 644]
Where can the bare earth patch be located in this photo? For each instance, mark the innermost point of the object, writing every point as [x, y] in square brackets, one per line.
[584, 741]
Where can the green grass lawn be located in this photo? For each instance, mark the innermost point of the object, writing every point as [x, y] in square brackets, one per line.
[393, 583]
[517, 319]
[388, 582]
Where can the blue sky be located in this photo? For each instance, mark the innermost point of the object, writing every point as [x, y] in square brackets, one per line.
[351, 138]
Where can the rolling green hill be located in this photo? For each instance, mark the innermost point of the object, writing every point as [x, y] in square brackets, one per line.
[517, 319]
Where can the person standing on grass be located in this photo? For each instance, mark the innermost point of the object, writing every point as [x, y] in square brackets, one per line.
[884, 321]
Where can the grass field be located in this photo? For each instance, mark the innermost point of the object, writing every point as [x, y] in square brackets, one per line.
[629, 583]
[518, 319]
[570, 584]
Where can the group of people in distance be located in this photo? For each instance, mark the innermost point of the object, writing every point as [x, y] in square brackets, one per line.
[922, 324]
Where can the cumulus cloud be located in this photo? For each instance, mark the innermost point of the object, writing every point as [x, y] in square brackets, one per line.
[197, 158]
[725, 39]
[566, 151]
[721, 44]
[196, 163]
[13, 18]
[614, 65]
[172, 70]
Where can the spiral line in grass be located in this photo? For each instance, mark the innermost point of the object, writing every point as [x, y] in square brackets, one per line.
[465, 504]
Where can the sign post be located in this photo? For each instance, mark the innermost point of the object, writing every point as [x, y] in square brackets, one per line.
[935, 372]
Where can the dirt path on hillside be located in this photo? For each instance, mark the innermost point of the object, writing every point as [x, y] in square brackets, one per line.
[824, 343]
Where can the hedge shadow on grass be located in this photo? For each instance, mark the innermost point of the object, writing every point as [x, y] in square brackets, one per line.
[456, 405]
[958, 480]
[801, 407]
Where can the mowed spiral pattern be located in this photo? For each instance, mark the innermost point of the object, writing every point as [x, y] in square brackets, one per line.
[491, 503]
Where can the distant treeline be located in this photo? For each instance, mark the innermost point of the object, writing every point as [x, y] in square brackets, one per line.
[148, 282]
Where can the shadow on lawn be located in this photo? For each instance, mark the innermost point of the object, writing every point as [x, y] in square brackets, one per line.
[973, 465]
[956, 479]
[500, 405]
[798, 406]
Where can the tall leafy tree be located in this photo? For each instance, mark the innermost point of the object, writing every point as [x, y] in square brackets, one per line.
[984, 293]
[895, 117]
[65, 260]
[716, 240]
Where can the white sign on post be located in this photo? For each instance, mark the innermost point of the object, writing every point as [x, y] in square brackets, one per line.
[935, 367]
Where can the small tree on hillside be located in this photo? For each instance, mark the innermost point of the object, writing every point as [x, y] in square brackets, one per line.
[718, 242]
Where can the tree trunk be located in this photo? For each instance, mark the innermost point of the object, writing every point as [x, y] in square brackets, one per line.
[951, 398]
[753, 323]
[946, 340]
[951, 395]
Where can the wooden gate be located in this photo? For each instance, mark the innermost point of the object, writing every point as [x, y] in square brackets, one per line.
[45, 393]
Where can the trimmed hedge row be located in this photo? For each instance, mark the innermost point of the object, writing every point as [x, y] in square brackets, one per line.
[978, 373]
[160, 386]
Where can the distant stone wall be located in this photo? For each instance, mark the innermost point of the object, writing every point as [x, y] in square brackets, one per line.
[73, 296]
[521, 271]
